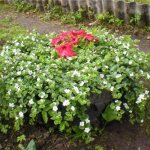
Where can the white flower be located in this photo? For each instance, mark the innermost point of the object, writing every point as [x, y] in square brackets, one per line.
[30, 72]
[72, 108]
[141, 71]
[55, 108]
[86, 68]
[105, 82]
[111, 88]
[118, 108]
[19, 73]
[130, 111]
[76, 89]
[118, 75]
[82, 124]
[126, 105]
[87, 130]
[131, 75]
[125, 52]
[106, 67]
[142, 121]
[76, 73]
[11, 105]
[146, 92]
[16, 44]
[102, 76]
[16, 118]
[66, 103]
[82, 83]
[139, 101]
[31, 101]
[21, 114]
[117, 59]
[42, 94]
[67, 91]
[148, 76]
[130, 62]
[116, 101]
[87, 120]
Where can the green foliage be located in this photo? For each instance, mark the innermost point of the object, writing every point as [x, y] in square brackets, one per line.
[31, 145]
[35, 82]
[110, 19]
[56, 13]
[135, 20]
[22, 6]
[21, 138]
[99, 148]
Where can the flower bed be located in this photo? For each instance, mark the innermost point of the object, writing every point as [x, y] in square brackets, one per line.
[53, 77]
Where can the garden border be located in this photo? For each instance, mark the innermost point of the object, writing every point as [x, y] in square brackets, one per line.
[120, 9]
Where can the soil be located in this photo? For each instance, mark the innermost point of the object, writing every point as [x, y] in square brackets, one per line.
[116, 136]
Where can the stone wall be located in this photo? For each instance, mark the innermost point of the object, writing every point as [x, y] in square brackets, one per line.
[121, 9]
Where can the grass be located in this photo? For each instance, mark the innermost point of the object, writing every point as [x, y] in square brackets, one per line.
[8, 29]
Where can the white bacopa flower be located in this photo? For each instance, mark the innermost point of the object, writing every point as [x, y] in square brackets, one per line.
[76, 89]
[55, 108]
[141, 71]
[126, 105]
[148, 76]
[42, 94]
[19, 73]
[111, 88]
[140, 59]
[76, 73]
[21, 115]
[67, 91]
[118, 75]
[87, 120]
[131, 74]
[105, 82]
[118, 108]
[30, 72]
[146, 92]
[86, 68]
[117, 59]
[102, 76]
[81, 83]
[130, 62]
[31, 101]
[125, 52]
[66, 103]
[72, 108]
[106, 67]
[130, 111]
[12, 105]
[16, 118]
[16, 44]
[87, 130]
[142, 121]
[82, 124]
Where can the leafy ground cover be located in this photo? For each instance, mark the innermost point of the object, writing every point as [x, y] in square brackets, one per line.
[45, 143]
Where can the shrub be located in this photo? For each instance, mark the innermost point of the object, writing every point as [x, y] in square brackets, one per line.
[36, 83]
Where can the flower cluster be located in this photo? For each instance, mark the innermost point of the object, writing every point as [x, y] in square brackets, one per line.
[65, 42]
[35, 82]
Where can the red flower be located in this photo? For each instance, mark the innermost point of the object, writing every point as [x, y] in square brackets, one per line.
[74, 40]
[56, 40]
[66, 50]
[89, 37]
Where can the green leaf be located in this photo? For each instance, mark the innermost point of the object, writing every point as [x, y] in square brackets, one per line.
[31, 145]
[110, 114]
[45, 117]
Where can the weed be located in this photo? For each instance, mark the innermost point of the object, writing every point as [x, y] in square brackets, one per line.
[135, 20]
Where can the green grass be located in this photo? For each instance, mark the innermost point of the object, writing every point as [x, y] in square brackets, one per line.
[8, 29]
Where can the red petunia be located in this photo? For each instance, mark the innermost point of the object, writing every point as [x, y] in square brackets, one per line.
[65, 50]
